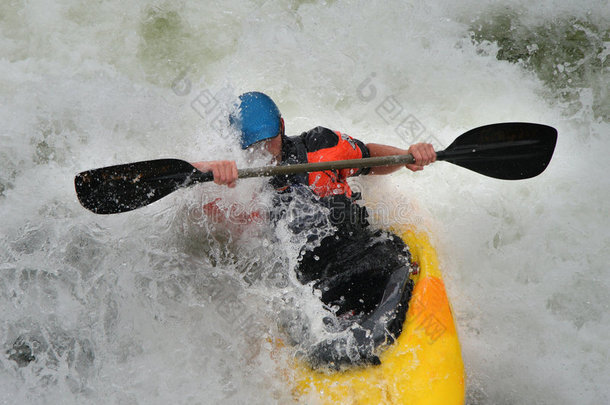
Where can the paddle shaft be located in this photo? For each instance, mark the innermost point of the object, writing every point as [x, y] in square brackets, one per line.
[322, 166]
[266, 171]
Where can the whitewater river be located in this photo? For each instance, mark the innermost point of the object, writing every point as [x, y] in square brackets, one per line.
[162, 305]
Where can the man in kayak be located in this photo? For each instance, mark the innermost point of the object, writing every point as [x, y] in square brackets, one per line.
[361, 272]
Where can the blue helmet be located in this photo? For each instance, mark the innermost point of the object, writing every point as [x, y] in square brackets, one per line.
[258, 118]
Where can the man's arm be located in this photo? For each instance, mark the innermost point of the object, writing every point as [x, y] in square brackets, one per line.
[422, 152]
[225, 171]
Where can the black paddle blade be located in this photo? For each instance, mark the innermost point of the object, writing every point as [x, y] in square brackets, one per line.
[123, 188]
[508, 151]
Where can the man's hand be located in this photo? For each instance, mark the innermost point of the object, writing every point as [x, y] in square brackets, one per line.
[225, 171]
[423, 153]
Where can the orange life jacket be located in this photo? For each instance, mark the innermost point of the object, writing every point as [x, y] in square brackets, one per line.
[322, 145]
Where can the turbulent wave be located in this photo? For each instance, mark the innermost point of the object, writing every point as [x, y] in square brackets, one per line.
[570, 55]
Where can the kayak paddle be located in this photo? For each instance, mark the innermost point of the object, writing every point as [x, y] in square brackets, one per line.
[508, 151]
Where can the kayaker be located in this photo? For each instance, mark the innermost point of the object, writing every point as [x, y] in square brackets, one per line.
[361, 272]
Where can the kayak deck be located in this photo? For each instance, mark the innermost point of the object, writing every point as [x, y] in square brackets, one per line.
[423, 366]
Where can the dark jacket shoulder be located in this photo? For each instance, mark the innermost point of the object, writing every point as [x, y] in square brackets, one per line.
[319, 138]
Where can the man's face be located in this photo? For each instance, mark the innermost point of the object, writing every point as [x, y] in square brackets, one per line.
[271, 147]
[274, 147]
[268, 150]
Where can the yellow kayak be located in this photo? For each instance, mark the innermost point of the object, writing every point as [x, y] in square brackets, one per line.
[423, 366]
